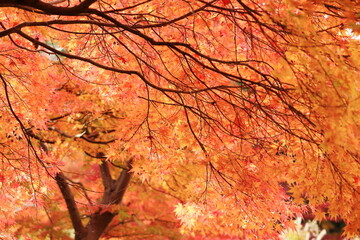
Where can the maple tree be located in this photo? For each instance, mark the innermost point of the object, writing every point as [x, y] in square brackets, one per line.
[164, 119]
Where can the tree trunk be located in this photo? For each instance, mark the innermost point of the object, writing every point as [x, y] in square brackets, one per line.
[96, 226]
[114, 191]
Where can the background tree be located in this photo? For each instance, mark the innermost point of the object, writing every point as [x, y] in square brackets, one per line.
[205, 109]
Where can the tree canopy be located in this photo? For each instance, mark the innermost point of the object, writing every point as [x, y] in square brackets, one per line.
[180, 118]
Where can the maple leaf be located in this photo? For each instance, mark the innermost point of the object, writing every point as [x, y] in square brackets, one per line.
[226, 2]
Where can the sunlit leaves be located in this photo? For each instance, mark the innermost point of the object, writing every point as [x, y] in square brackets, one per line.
[224, 109]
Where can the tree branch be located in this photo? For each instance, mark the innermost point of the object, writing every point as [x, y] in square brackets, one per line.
[118, 187]
[71, 204]
[107, 180]
[48, 8]
[114, 192]
[122, 182]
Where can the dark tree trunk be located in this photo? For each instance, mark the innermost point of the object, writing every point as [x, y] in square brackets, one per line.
[96, 226]
[114, 191]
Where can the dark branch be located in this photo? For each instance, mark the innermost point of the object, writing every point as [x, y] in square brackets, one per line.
[115, 189]
[107, 180]
[70, 204]
[48, 8]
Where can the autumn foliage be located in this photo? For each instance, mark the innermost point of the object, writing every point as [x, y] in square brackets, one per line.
[177, 119]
